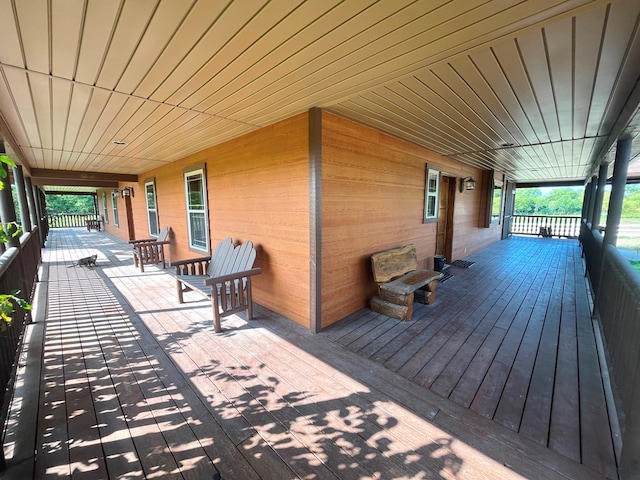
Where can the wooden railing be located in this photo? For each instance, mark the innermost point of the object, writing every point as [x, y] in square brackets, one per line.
[66, 220]
[616, 285]
[553, 225]
[18, 271]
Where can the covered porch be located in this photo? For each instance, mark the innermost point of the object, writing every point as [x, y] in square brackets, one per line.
[119, 380]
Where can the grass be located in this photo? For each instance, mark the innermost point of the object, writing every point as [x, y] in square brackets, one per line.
[635, 264]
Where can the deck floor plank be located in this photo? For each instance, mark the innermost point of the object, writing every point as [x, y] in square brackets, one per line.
[515, 345]
[136, 385]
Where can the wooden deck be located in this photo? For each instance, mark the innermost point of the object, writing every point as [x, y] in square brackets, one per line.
[510, 338]
[118, 380]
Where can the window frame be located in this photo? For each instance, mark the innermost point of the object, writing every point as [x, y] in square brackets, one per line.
[190, 173]
[432, 197]
[152, 183]
[105, 208]
[114, 208]
[498, 186]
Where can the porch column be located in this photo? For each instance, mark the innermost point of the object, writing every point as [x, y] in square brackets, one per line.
[589, 200]
[592, 200]
[7, 210]
[25, 219]
[597, 207]
[39, 210]
[33, 211]
[620, 167]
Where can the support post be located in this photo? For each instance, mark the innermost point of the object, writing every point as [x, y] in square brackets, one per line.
[25, 218]
[33, 211]
[7, 210]
[589, 199]
[614, 214]
[597, 207]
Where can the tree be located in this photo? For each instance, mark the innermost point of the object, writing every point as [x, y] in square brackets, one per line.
[527, 201]
[65, 203]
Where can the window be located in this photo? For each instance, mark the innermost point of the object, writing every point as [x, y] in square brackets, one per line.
[114, 207]
[195, 188]
[431, 195]
[496, 204]
[152, 210]
[105, 210]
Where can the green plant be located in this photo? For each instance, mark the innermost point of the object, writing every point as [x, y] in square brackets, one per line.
[9, 300]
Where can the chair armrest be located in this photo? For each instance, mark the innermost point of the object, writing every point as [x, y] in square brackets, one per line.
[142, 240]
[233, 276]
[191, 266]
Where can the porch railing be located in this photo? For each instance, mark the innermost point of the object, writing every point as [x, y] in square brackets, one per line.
[617, 304]
[66, 220]
[18, 271]
[553, 225]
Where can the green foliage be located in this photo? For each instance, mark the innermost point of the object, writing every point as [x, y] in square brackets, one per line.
[9, 300]
[61, 203]
[7, 308]
[558, 201]
[631, 203]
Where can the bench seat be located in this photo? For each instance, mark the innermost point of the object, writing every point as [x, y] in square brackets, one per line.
[400, 282]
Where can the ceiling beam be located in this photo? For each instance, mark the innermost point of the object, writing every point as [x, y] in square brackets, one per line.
[41, 176]
[66, 182]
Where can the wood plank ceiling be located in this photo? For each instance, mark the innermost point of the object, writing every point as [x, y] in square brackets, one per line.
[540, 89]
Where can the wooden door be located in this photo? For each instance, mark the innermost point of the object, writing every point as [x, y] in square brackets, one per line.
[444, 235]
[130, 226]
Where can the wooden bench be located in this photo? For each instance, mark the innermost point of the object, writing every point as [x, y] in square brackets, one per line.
[225, 277]
[93, 224]
[400, 281]
[150, 251]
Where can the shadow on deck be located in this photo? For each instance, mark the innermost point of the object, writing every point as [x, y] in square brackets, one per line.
[510, 338]
[118, 380]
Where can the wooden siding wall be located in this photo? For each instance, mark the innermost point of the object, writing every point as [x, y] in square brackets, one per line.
[119, 230]
[258, 190]
[373, 199]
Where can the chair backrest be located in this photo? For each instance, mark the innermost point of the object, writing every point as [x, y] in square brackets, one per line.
[163, 236]
[222, 256]
[244, 256]
[394, 263]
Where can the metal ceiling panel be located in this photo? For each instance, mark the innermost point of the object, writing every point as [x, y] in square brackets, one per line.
[539, 89]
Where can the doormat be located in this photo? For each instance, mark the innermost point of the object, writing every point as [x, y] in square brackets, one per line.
[445, 276]
[462, 263]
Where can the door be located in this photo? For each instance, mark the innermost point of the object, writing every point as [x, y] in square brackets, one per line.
[129, 210]
[444, 234]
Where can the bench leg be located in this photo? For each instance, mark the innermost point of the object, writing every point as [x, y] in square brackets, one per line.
[180, 291]
[216, 311]
[249, 299]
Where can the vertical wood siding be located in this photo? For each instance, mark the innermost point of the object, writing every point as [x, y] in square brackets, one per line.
[373, 199]
[258, 190]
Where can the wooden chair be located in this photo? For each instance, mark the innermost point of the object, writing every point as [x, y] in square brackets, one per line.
[150, 251]
[225, 277]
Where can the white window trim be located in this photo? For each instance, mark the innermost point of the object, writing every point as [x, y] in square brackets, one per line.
[105, 208]
[114, 209]
[430, 217]
[188, 174]
[152, 183]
